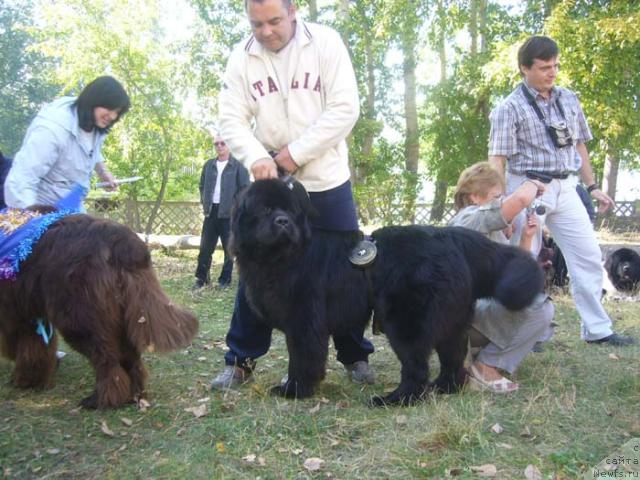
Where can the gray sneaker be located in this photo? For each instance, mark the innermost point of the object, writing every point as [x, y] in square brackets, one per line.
[230, 377]
[361, 372]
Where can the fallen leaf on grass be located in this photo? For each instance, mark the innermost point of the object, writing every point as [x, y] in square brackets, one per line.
[506, 446]
[204, 400]
[261, 461]
[315, 409]
[613, 356]
[199, 411]
[53, 451]
[297, 451]
[143, 405]
[526, 433]
[220, 447]
[312, 464]
[249, 458]
[106, 430]
[324, 400]
[497, 428]
[124, 445]
[532, 473]
[401, 420]
[126, 421]
[487, 470]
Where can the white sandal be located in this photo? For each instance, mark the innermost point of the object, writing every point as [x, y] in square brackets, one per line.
[501, 385]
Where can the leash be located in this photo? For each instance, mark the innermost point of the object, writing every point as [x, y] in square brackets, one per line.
[46, 332]
[362, 256]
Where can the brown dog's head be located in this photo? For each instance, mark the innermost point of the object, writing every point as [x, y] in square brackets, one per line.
[270, 222]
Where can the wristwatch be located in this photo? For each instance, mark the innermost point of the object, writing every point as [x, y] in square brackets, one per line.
[592, 187]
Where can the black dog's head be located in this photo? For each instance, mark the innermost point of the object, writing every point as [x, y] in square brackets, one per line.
[623, 269]
[270, 222]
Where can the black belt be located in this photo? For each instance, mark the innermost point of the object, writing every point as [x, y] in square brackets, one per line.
[546, 177]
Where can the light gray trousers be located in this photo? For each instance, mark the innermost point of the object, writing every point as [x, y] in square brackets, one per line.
[505, 337]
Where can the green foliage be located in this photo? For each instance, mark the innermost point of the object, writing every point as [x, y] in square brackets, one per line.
[599, 45]
[382, 193]
[155, 139]
[24, 84]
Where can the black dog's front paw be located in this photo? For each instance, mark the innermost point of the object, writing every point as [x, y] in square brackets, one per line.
[450, 383]
[292, 389]
[90, 402]
[397, 397]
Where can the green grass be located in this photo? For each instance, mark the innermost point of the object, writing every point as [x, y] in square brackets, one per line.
[576, 405]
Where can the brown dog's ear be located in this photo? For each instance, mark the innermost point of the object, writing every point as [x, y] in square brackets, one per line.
[301, 195]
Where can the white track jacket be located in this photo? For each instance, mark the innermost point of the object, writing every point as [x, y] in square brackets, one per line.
[313, 118]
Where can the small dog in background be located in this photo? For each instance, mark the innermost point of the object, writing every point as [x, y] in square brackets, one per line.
[623, 269]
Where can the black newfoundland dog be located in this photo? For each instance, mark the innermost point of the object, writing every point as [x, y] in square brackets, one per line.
[92, 280]
[623, 269]
[421, 287]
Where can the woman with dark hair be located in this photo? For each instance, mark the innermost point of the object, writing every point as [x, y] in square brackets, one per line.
[62, 146]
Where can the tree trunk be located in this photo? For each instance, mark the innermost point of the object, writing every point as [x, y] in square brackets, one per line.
[439, 202]
[473, 26]
[610, 175]
[412, 139]
[313, 11]
[440, 194]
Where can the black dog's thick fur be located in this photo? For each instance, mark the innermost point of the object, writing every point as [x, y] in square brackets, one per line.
[623, 269]
[424, 283]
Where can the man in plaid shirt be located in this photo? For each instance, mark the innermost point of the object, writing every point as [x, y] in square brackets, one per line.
[541, 128]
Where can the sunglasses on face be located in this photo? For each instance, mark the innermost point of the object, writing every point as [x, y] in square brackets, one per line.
[219, 144]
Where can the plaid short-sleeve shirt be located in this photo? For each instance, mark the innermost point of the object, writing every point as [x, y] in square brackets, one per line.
[518, 134]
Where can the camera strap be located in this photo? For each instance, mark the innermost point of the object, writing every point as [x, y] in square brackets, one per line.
[536, 107]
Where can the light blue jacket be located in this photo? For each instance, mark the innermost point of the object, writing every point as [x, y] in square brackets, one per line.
[51, 159]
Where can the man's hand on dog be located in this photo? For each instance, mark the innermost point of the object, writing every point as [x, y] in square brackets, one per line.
[267, 167]
[264, 169]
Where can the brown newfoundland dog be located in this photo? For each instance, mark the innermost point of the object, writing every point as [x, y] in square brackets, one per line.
[93, 281]
[421, 287]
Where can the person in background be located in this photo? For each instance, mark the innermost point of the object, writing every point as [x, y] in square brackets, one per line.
[62, 146]
[5, 166]
[541, 129]
[501, 338]
[222, 178]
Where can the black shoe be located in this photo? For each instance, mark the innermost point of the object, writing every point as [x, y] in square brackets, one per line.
[615, 340]
[538, 347]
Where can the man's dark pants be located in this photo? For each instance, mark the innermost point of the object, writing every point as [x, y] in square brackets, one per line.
[212, 229]
[248, 338]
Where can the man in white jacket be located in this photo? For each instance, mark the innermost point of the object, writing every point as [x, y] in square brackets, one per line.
[290, 88]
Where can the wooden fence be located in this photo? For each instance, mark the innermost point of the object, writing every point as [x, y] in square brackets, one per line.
[185, 218]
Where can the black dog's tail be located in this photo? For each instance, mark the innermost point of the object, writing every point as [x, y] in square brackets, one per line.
[520, 282]
[509, 274]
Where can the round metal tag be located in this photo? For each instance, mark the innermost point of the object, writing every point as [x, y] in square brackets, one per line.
[363, 254]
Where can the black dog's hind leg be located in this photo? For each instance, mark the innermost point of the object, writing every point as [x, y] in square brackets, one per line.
[412, 347]
[308, 352]
[452, 352]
